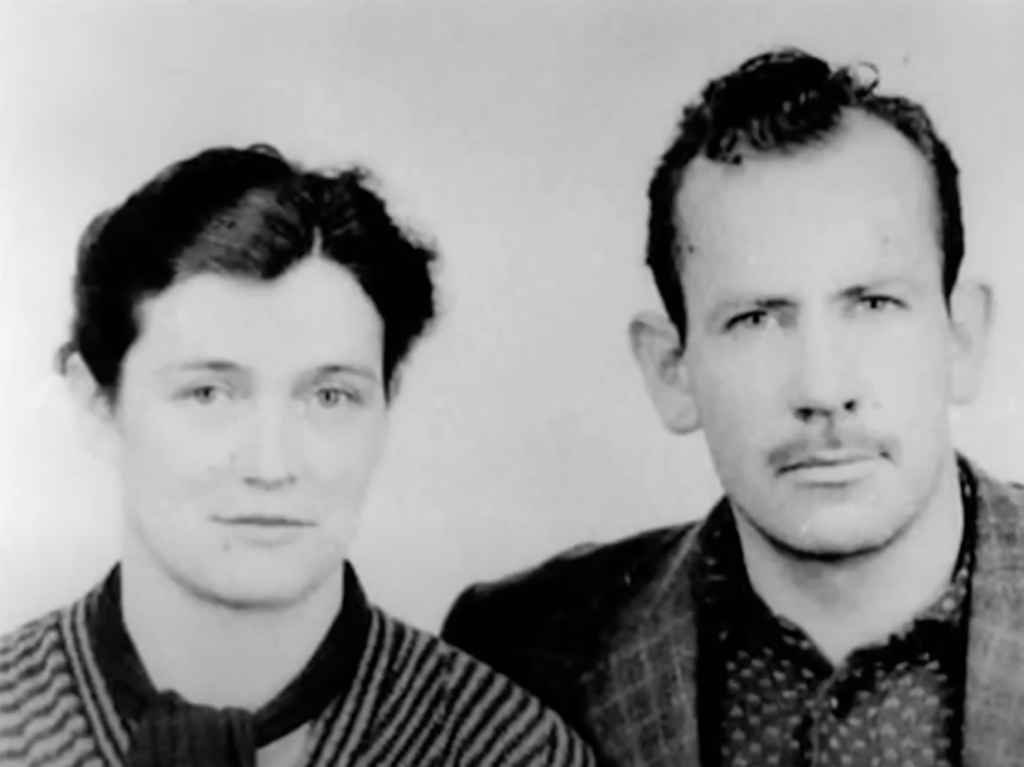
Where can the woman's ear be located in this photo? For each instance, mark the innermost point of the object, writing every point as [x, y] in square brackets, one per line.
[658, 350]
[95, 414]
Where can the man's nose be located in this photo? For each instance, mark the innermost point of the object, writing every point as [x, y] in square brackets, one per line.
[826, 379]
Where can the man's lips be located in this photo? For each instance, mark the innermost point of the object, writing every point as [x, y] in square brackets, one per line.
[831, 450]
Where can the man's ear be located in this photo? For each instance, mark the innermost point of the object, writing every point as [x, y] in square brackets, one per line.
[95, 412]
[971, 308]
[659, 352]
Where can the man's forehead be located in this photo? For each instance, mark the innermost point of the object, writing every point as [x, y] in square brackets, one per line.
[864, 153]
[867, 189]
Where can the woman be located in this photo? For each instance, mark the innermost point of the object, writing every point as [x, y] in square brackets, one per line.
[239, 326]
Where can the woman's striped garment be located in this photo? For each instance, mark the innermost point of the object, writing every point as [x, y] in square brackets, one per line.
[414, 702]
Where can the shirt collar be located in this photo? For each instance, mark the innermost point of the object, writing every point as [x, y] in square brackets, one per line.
[328, 674]
[723, 587]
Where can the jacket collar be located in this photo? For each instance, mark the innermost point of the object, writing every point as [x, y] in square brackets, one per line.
[640, 698]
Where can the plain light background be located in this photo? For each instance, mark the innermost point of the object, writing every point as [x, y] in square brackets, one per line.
[520, 136]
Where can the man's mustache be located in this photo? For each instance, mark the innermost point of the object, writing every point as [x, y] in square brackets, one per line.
[831, 445]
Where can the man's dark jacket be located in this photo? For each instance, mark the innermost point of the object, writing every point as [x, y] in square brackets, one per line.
[607, 636]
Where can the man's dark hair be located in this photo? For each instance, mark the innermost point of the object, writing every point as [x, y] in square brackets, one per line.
[248, 213]
[778, 103]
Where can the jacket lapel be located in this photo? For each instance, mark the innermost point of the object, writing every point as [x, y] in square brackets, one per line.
[640, 698]
[994, 700]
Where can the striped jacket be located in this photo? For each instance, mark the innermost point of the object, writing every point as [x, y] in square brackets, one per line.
[414, 702]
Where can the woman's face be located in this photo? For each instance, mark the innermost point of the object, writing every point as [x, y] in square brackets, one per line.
[249, 421]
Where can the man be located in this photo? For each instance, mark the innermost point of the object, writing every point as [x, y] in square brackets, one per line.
[856, 596]
[239, 326]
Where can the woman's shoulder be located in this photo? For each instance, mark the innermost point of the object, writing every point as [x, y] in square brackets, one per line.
[414, 654]
[33, 673]
[22, 648]
[483, 712]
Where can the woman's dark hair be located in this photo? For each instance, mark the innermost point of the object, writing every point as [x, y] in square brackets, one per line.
[248, 213]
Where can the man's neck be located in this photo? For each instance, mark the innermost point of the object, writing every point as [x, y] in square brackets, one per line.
[846, 605]
[212, 654]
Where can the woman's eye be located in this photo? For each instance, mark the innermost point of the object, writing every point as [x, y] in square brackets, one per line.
[206, 395]
[876, 303]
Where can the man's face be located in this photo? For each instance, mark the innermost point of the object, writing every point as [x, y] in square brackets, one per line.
[819, 347]
[250, 418]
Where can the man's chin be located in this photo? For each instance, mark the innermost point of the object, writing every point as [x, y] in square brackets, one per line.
[833, 546]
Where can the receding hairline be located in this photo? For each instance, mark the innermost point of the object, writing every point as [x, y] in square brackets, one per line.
[843, 133]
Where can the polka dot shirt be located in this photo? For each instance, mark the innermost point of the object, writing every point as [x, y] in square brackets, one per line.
[778, 702]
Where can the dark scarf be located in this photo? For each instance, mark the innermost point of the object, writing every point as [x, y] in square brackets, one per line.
[168, 731]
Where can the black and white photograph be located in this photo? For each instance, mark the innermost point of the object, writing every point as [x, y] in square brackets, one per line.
[511, 384]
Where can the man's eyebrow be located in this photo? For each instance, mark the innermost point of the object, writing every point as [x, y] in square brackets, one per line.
[748, 303]
[752, 302]
[878, 283]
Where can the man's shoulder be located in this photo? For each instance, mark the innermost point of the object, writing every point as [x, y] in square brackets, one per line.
[543, 625]
[579, 578]
[1006, 495]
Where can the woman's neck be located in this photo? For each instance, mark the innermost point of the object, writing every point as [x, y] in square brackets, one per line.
[216, 655]
[846, 605]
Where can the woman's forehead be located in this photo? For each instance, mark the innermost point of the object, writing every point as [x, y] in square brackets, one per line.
[315, 314]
